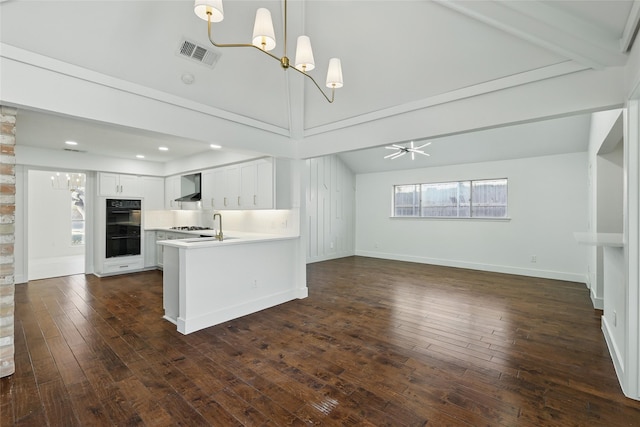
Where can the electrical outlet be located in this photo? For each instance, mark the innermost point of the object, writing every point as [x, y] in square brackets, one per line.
[255, 283]
[331, 245]
[534, 258]
[615, 318]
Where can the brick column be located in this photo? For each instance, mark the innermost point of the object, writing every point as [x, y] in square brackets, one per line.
[7, 219]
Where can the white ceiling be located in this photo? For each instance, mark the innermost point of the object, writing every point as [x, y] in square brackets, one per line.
[542, 138]
[395, 55]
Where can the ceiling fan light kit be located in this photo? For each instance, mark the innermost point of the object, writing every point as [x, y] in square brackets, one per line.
[264, 40]
[401, 150]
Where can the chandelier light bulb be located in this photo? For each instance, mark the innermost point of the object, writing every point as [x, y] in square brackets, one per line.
[304, 55]
[205, 8]
[334, 74]
[263, 35]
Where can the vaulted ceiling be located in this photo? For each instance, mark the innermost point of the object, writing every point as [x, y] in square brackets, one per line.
[400, 59]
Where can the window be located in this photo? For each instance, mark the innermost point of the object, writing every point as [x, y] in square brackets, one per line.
[73, 183]
[460, 199]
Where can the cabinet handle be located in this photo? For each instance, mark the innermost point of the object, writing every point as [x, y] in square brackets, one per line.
[212, 204]
[254, 200]
[225, 201]
[238, 200]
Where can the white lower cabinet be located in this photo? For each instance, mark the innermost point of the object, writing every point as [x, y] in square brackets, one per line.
[160, 235]
[166, 235]
[150, 249]
[122, 264]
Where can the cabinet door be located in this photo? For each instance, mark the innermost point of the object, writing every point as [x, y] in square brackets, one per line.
[248, 186]
[220, 199]
[109, 184]
[160, 235]
[172, 192]
[153, 192]
[130, 186]
[233, 187]
[207, 189]
[150, 249]
[264, 183]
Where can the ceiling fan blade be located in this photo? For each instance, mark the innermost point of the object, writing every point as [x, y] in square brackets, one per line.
[391, 155]
[391, 148]
[400, 154]
[423, 145]
[413, 155]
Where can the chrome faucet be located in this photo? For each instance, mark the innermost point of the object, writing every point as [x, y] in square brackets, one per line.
[218, 235]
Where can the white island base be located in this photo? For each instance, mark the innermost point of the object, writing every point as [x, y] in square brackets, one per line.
[209, 282]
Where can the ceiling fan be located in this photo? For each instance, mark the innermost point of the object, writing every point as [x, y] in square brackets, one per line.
[402, 150]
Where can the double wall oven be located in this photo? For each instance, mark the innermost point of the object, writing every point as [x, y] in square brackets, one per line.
[123, 227]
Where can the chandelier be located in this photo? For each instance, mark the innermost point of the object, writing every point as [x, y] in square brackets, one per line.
[401, 150]
[264, 40]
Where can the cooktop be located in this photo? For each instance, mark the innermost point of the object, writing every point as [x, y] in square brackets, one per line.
[190, 228]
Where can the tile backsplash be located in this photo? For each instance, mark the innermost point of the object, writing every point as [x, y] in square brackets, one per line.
[284, 222]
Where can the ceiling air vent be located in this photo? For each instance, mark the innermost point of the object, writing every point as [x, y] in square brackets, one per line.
[74, 150]
[197, 53]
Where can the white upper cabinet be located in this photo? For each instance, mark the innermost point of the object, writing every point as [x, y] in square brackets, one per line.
[153, 192]
[172, 191]
[248, 186]
[111, 184]
[256, 180]
[207, 189]
[258, 184]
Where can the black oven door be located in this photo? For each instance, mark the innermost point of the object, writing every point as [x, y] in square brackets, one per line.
[123, 237]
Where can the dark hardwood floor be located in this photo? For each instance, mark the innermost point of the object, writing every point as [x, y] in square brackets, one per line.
[376, 343]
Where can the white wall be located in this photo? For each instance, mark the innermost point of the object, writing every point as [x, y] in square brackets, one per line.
[605, 192]
[610, 180]
[547, 203]
[330, 206]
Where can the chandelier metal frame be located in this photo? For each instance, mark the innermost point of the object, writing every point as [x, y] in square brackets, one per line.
[284, 60]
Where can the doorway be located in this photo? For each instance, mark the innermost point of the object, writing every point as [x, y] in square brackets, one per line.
[56, 221]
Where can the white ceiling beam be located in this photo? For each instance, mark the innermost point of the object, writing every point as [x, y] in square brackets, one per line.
[547, 27]
[520, 79]
[629, 33]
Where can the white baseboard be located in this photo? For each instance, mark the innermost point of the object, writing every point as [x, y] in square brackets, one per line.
[598, 303]
[544, 274]
[614, 351]
[193, 324]
[329, 257]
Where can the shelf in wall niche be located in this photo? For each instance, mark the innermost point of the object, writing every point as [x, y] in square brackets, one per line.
[600, 239]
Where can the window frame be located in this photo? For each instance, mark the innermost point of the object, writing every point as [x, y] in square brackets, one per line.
[419, 208]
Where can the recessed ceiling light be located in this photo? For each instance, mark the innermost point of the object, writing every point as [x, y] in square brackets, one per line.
[140, 156]
[71, 143]
[215, 146]
[163, 148]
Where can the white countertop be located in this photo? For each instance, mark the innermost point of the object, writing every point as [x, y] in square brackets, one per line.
[600, 239]
[230, 238]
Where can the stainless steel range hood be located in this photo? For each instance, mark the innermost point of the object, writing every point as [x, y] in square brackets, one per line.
[190, 188]
[193, 197]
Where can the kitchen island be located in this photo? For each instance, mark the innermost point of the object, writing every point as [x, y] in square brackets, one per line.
[207, 282]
